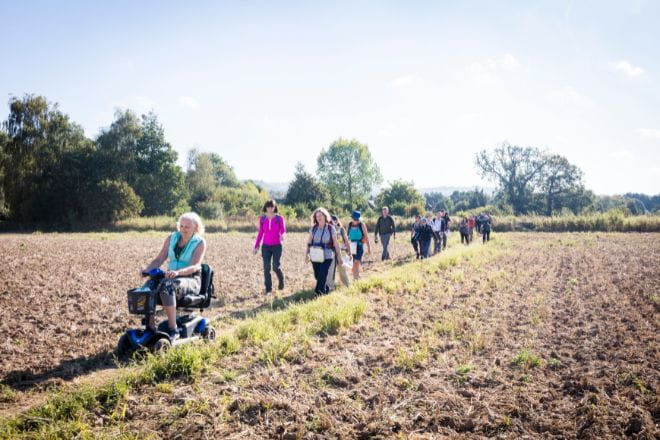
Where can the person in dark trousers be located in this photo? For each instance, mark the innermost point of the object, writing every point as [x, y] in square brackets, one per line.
[414, 235]
[444, 234]
[471, 224]
[436, 227]
[425, 235]
[464, 230]
[272, 231]
[486, 225]
[322, 248]
[386, 229]
[358, 236]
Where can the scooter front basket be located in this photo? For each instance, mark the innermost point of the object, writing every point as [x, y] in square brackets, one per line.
[141, 301]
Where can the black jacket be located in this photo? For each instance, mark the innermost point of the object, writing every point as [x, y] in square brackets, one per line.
[385, 225]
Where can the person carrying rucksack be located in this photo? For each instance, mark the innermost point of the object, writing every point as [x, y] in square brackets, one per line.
[471, 225]
[486, 226]
[322, 248]
[436, 227]
[343, 244]
[357, 236]
[425, 234]
[444, 232]
[272, 231]
[464, 230]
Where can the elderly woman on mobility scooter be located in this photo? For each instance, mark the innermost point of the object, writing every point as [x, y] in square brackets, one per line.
[185, 250]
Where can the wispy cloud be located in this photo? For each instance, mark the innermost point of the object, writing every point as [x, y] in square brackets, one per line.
[567, 95]
[139, 104]
[627, 68]
[621, 154]
[403, 81]
[649, 134]
[506, 62]
[189, 102]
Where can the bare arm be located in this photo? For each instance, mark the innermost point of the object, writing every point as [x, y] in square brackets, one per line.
[345, 238]
[309, 242]
[337, 248]
[366, 235]
[160, 258]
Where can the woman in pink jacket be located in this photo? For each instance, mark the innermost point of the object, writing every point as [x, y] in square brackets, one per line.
[272, 231]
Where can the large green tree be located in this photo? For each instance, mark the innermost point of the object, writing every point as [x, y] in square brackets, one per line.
[215, 191]
[559, 179]
[38, 135]
[532, 181]
[465, 200]
[349, 171]
[306, 190]
[436, 201]
[399, 196]
[136, 152]
[515, 169]
[207, 173]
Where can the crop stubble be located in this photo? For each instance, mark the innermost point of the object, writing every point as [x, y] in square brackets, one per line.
[63, 296]
[556, 338]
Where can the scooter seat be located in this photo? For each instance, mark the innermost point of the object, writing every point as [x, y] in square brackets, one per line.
[203, 299]
[191, 301]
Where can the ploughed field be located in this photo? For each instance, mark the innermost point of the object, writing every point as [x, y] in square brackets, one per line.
[530, 336]
[63, 296]
[534, 336]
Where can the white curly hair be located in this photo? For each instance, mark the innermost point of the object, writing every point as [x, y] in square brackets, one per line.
[193, 217]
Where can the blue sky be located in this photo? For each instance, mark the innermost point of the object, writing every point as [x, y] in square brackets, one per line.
[425, 84]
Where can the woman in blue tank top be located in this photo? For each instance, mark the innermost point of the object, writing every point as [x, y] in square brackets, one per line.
[357, 234]
[185, 250]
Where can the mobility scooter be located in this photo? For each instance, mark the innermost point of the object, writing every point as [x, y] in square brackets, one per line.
[143, 301]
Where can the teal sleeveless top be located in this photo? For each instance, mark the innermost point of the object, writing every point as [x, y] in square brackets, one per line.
[355, 232]
[185, 257]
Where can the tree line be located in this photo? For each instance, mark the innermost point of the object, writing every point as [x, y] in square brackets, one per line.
[51, 173]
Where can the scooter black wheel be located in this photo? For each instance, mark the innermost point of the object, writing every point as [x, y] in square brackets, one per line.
[208, 333]
[124, 345]
[161, 345]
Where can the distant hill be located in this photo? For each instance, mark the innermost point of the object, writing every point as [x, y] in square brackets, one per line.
[277, 190]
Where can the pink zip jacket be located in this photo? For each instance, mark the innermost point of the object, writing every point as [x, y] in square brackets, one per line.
[270, 230]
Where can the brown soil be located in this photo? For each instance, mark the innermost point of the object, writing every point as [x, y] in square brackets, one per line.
[585, 305]
[63, 296]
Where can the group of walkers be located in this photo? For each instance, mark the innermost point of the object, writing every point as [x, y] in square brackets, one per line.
[436, 229]
[328, 239]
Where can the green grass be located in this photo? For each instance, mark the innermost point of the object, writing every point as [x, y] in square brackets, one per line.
[411, 359]
[461, 374]
[631, 379]
[526, 359]
[7, 395]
